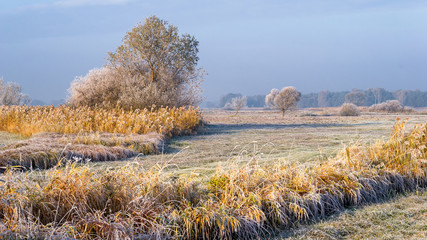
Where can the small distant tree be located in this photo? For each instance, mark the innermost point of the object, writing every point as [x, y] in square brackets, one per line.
[238, 103]
[356, 97]
[11, 94]
[322, 99]
[224, 99]
[284, 100]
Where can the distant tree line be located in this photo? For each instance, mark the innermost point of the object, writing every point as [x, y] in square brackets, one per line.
[251, 101]
[368, 97]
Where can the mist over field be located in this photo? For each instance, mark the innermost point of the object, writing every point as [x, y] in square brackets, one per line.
[246, 47]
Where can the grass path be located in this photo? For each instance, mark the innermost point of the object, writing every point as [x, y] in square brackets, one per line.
[404, 217]
[251, 136]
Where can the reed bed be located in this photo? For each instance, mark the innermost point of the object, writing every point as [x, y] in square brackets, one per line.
[239, 202]
[88, 134]
[28, 121]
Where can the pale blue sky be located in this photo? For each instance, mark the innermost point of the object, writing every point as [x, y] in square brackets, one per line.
[245, 46]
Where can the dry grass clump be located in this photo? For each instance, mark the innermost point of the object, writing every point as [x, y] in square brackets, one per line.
[239, 202]
[30, 120]
[45, 150]
[349, 109]
[391, 106]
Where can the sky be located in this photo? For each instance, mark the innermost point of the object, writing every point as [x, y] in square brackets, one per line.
[246, 46]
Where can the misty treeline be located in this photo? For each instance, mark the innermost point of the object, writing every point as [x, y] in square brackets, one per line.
[369, 97]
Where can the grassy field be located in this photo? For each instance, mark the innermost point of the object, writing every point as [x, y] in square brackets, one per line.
[265, 137]
[404, 217]
[239, 176]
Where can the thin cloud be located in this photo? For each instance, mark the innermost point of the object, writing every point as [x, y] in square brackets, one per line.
[78, 3]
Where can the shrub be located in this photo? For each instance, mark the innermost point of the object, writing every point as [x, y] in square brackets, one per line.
[31, 120]
[269, 98]
[228, 106]
[391, 106]
[240, 202]
[154, 66]
[349, 109]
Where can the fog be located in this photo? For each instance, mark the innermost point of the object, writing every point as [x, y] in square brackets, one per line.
[247, 47]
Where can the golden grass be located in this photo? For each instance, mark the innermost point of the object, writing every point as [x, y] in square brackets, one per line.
[45, 150]
[30, 120]
[95, 134]
[239, 202]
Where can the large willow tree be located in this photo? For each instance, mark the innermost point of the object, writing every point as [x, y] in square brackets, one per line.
[155, 65]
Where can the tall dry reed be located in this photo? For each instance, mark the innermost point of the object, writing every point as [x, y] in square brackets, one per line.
[30, 120]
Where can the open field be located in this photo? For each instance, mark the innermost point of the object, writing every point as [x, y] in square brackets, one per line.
[241, 176]
[266, 137]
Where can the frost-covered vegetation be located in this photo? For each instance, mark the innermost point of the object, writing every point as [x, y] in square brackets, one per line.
[239, 202]
[95, 134]
[11, 94]
[283, 100]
